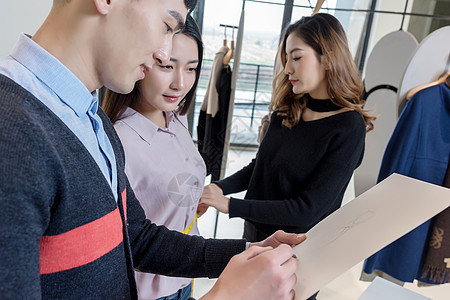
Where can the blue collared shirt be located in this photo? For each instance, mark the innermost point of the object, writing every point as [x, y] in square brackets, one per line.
[64, 94]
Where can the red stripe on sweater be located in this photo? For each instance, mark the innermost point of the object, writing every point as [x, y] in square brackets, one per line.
[81, 245]
[124, 201]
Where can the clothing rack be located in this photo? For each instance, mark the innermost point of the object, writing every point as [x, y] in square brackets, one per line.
[228, 26]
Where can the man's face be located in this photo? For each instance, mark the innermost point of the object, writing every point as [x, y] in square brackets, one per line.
[138, 33]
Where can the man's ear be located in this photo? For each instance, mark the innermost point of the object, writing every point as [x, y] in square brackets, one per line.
[103, 6]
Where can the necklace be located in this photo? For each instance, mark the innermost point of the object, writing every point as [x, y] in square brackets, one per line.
[320, 105]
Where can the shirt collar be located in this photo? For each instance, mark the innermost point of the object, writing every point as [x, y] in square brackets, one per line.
[170, 116]
[54, 74]
[145, 128]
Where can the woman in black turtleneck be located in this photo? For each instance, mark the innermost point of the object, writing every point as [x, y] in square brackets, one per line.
[314, 142]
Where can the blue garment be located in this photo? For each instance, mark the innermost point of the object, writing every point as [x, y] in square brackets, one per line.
[419, 148]
[59, 89]
[181, 294]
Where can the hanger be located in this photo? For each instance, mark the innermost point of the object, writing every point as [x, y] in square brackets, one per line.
[318, 7]
[444, 77]
[229, 54]
[225, 35]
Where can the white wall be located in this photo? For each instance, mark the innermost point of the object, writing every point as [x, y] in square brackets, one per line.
[17, 16]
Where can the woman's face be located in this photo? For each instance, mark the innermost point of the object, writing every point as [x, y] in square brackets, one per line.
[304, 69]
[165, 86]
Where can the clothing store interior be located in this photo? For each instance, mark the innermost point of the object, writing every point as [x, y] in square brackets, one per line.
[401, 49]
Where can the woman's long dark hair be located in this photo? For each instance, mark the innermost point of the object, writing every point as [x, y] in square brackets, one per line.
[115, 104]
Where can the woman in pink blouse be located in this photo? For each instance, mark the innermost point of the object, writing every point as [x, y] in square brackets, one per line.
[163, 166]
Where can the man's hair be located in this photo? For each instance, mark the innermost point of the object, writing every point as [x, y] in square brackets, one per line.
[190, 4]
[61, 2]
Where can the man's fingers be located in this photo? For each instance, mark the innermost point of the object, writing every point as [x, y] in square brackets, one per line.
[299, 238]
[290, 265]
[289, 238]
[282, 253]
[254, 251]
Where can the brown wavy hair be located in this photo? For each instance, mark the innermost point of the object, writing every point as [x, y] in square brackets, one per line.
[325, 35]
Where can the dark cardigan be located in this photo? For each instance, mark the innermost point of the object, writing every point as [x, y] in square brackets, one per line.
[62, 234]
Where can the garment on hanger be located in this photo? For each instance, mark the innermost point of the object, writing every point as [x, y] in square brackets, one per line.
[437, 259]
[419, 148]
[436, 264]
[229, 54]
[212, 122]
[427, 63]
[210, 102]
[421, 87]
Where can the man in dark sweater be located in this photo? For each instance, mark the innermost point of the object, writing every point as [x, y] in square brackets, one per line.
[70, 225]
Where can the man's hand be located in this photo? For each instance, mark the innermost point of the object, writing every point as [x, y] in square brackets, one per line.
[281, 237]
[257, 273]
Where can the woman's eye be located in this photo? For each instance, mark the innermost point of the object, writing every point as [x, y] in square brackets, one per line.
[192, 69]
[167, 67]
[169, 29]
[296, 58]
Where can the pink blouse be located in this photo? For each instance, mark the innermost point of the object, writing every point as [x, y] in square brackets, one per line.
[167, 175]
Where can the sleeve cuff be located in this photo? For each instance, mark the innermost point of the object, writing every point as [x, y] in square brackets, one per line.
[238, 208]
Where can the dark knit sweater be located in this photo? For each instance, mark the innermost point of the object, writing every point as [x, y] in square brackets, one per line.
[299, 175]
[62, 234]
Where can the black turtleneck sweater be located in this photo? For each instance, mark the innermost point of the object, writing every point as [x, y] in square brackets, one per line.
[300, 174]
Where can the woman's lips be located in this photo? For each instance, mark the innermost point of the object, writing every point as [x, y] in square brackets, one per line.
[172, 98]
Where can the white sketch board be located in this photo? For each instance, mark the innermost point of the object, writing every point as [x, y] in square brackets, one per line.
[365, 225]
[386, 290]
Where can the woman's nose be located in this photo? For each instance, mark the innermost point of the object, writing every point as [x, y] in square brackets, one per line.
[287, 69]
[178, 82]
